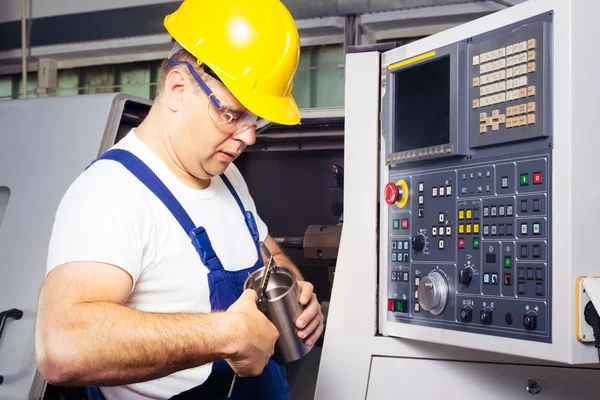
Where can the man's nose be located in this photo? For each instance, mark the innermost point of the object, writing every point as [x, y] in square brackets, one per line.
[247, 136]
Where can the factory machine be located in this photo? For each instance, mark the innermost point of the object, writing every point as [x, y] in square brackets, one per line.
[468, 252]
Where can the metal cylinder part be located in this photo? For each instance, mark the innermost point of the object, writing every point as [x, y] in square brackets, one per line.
[283, 309]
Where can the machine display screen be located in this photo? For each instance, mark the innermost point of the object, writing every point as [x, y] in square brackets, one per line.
[422, 105]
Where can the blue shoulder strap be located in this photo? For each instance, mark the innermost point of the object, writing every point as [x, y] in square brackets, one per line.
[198, 235]
[149, 178]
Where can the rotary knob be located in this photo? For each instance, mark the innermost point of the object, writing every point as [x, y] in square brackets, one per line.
[433, 293]
[418, 242]
[392, 193]
[465, 276]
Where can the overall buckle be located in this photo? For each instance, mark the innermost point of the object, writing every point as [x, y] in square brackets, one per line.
[202, 244]
[251, 223]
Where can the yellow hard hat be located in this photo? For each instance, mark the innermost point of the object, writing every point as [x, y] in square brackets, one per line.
[252, 45]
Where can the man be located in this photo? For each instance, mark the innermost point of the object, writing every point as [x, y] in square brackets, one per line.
[137, 306]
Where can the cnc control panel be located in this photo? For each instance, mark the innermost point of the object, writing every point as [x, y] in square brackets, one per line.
[468, 157]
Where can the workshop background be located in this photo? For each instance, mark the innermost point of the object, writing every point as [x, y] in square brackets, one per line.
[79, 47]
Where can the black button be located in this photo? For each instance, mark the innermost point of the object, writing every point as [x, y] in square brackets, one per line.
[539, 289]
[500, 230]
[536, 205]
[405, 257]
[486, 317]
[536, 250]
[476, 213]
[521, 273]
[530, 273]
[539, 274]
[523, 251]
[530, 322]
[523, 205]
[509, 231]
[508, 318]
[421, 212]
[521, 288]
[466, 315]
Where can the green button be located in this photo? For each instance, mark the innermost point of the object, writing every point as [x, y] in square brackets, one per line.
[476, 243]
[399, 306]
[507, 261]
[396, 224]
[524, 179]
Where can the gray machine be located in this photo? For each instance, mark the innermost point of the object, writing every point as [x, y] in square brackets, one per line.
[44, 145]
[469, 246]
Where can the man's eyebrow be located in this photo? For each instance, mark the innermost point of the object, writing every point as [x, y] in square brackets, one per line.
[236, 111]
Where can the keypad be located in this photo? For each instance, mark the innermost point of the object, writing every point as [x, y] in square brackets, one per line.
[503, 77]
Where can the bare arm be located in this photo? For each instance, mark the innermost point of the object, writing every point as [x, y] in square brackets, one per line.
[280, 258]
[85, 336]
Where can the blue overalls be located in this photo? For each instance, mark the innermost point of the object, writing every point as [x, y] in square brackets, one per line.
[225, 288]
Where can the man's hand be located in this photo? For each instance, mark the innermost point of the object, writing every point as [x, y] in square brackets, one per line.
[310, 322]
[256, 336]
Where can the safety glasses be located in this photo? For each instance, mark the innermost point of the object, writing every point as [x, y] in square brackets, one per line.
[227, 117]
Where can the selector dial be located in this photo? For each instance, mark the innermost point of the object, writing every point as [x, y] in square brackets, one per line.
[433, 293]
[418, 242]
[465, 276]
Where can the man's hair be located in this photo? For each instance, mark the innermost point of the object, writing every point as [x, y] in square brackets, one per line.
[183, 55]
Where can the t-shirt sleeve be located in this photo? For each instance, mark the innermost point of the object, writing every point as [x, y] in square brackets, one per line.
[238, 182]
[100, 219]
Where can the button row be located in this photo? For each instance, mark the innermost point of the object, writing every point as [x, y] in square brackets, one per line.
[397, 305]
[400, 276]
[497, 211]
[505, 51]
[441, 191]
[441, 231]
[537, 178]
[509, 95]
[490, 279]
[400, 244]
[498, 230]
[478, 175]
[520, 109]
[531, 274]
[461, 243]
[466, 228]
[530, 252]
[468, 214]
[535, 228]
[400, 257]
[503, 86]
[397, 223]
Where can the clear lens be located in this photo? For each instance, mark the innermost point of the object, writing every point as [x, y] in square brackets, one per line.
[232, 119]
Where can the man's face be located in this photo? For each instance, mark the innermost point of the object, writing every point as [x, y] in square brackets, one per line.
[204, 147]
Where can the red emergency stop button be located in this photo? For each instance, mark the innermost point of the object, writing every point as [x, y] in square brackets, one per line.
[537, 178]
[391, 193]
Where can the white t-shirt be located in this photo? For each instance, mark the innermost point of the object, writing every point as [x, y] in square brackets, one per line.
[107, 215]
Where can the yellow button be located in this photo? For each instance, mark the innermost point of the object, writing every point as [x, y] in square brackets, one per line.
[475, 228]
[461, 214]
[461, 228]
[468, 214]
[468, 228]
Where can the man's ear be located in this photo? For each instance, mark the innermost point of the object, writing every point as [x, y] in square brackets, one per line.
[174, 89]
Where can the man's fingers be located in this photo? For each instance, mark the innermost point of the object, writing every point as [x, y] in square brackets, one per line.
[316, 334]
[310, 328]
[306, 291]
[309, 312]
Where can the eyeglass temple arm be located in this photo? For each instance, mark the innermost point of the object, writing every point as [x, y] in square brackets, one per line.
[203, 85]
